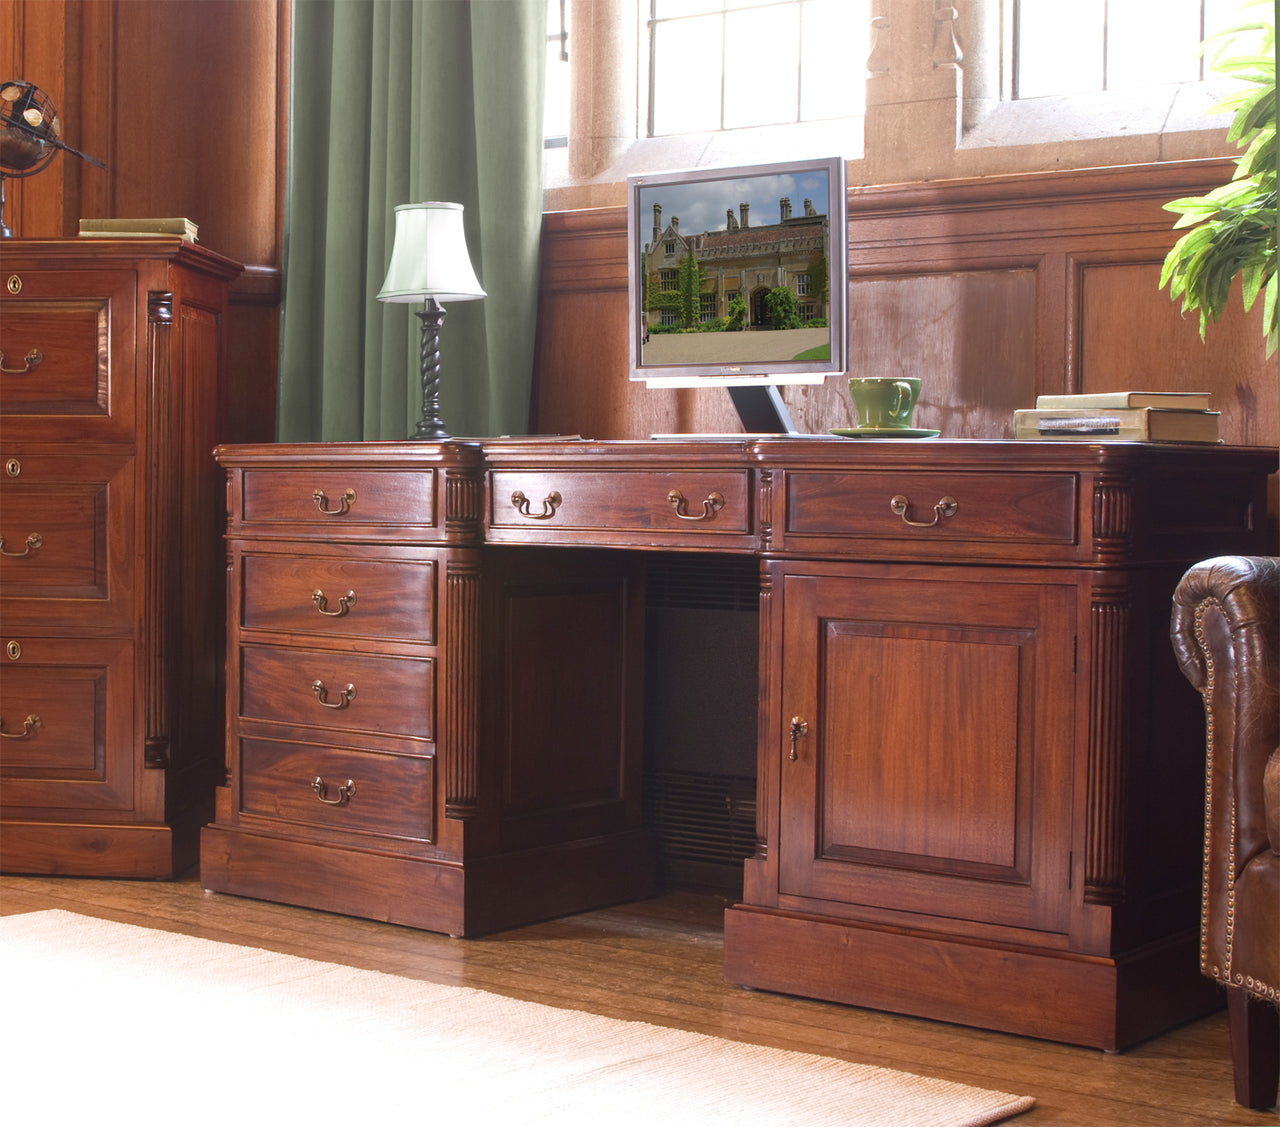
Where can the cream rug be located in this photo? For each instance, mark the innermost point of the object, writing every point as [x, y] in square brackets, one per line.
[102, 1023]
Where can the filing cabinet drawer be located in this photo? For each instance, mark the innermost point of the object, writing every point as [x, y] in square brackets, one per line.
[929, 508]
[66, 523]
[692, 503]
[369, 598]
[67, 729]
[67, 338]
[338, 789]
[337, 500]
[349, 692]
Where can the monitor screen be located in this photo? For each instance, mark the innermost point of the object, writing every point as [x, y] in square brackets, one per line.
[738, 276]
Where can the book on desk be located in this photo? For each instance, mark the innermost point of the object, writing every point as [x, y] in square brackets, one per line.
[1122, 424]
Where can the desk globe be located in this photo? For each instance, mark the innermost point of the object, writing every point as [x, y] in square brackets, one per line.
[30, 136]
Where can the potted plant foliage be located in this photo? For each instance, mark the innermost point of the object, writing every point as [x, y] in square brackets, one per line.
[1233, 228]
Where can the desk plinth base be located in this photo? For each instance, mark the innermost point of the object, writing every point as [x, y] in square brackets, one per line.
[461, 899]
[143, 850]
[1100, 1003]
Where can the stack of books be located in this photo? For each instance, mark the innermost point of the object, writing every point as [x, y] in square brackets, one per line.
[139, 228]
[1120, 416]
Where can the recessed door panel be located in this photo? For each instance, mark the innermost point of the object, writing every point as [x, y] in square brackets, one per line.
[933, 772]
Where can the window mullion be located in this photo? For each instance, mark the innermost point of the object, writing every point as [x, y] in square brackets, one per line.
[1106, 45]
[724, 61]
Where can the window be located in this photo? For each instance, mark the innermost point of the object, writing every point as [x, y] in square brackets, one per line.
[731, 64]
[555, 113]
[802, 283]
[1094, 45]
[707, 306]
[668, 280]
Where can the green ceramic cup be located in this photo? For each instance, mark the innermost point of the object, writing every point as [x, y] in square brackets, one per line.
[884, 402]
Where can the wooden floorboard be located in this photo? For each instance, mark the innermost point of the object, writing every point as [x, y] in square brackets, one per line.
[660, 961]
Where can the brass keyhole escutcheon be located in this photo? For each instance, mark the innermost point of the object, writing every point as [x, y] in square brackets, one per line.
[13, 467]
[14, 650]
[14, 284]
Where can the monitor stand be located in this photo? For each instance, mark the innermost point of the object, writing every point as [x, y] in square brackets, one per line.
[761, 410]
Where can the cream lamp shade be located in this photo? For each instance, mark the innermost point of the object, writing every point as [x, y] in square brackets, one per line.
[429, 257]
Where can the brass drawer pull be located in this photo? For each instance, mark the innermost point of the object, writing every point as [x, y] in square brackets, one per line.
[712, 505]
[345, 602]
[34, 541]
[345, 696]
[29, 725]
[345, 502]
[32, 359]
[552, 502]
[947, 507]
[799, 729]
[345, 791]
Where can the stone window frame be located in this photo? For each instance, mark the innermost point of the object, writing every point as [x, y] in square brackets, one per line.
[935, 75]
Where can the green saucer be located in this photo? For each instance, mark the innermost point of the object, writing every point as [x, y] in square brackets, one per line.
[884, 432]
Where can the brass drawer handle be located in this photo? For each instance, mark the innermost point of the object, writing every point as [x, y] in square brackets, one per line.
[947, 507]
[345, 603]
[712, 505]
[32, 359]
[345, 696]
[799, 729]
[29, 725]
[34, 541]
[345, 502]
[552, 501]
[345, 791]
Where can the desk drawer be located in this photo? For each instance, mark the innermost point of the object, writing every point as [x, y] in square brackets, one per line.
[68, 342]
[927, 508]
[338, 789]
[339, 691]
[692, 503]
[338, 499]
[361, 598]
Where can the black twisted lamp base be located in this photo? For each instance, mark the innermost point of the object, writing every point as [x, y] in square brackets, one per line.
[430, 427]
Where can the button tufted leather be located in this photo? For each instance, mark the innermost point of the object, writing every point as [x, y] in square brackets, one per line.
[1225, 630]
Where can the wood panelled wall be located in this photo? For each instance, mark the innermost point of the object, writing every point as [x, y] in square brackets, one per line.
[186, 103]
[993, 290]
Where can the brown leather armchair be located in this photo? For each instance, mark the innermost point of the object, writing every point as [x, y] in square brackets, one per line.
[1225, 631]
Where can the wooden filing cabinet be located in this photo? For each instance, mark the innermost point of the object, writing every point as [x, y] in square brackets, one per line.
[110, 681]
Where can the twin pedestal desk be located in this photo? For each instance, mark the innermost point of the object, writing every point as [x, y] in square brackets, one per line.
[980, 777]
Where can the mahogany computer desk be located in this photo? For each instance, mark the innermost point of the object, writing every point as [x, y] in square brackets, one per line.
[980, 776]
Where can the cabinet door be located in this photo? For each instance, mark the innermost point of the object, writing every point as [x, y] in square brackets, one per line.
[932, 775]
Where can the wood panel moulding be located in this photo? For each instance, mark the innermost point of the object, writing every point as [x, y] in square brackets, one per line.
[187, 106]
[995, 289]
[460, 714]
[1110, 613]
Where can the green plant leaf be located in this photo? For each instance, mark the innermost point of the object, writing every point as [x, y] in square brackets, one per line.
[1231, 230]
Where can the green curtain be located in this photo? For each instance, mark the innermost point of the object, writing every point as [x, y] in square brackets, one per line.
[401, 101]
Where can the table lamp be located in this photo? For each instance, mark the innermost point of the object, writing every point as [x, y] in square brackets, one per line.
[429, 263]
